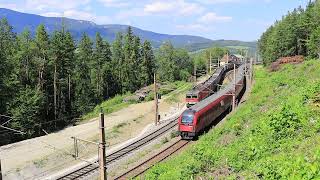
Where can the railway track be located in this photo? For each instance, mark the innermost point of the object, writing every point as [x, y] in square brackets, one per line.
[147, 164]
[118, 154]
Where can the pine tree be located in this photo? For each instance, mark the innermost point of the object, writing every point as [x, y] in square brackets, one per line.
[101, 65]
[42, 54]
[62, 55]
[134, 65]
[166, 62]
[25, 59]
[118, 61]
[84, 98]
[148, 64]
[128, 80]
[314, 43]
[26, 111]
[8, 79]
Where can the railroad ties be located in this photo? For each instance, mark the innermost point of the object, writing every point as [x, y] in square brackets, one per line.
[117, 155]
[144, 166]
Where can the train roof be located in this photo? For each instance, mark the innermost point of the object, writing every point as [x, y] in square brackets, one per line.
[209, 81]
[212, 79]
[200, 105]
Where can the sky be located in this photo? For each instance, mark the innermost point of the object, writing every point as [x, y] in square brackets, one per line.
[242, 20]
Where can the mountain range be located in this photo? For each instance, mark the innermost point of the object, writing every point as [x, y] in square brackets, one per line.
[20, 21]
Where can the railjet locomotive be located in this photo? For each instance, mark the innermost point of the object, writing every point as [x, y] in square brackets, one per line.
[196, 118]
[208, 87]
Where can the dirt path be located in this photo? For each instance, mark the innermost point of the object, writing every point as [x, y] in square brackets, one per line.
[51, 153]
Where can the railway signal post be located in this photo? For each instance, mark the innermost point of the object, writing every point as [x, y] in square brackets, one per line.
[102, 149]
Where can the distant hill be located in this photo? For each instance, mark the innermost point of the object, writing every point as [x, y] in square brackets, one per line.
[233, 45]
[20, 21]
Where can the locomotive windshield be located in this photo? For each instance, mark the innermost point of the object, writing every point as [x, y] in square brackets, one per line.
[187, 117]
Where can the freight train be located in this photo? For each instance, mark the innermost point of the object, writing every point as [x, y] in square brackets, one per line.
[208, 87]
[198, 117]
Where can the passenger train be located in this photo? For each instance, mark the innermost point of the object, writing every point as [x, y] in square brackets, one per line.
[198, 117]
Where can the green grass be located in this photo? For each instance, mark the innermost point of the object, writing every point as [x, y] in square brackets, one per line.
[275, 134]
[114, 104]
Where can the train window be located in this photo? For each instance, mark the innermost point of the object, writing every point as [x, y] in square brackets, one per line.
[189, 96]
[187, 117]
[194, 96]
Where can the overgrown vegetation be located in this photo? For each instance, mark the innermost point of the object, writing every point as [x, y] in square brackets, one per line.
[298, 33]
[275, 134]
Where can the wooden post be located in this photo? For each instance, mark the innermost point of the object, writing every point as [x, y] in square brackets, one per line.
[195, 72]
[102, 151]
[251, 70]
[0, 171]
[55, 93]
[210, 64]
[155, 99]
[234, 90]
[227, 57]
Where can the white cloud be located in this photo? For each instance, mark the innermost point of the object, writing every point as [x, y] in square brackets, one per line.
[212, 17]
[114, 3]
[218, 1]
[159, 7]
[179, 7]
[42, 5]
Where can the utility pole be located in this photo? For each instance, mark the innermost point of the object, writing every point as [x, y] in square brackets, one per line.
[210, 63]
[102, 149]
[227, 57]
[55, 92]
[155, 100]
[195, 72]
[251, 71]
[0, 171]
[234, 90]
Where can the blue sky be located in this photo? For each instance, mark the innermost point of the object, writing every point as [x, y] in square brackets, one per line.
[214, 19]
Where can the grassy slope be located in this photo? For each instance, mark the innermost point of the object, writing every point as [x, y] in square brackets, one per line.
[273, 135]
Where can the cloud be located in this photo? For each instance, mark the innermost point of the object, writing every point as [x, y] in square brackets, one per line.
[42, 5]
[179, 7]
[218, 1]
[212, 17]
[114, 3]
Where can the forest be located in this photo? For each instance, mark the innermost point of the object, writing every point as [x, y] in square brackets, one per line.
[48, 82]
[298, 33]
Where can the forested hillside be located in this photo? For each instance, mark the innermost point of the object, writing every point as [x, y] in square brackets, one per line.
[298, 33]
[49, 81]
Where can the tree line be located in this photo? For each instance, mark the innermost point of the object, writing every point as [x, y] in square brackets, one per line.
[48, 81]
[298, 33]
